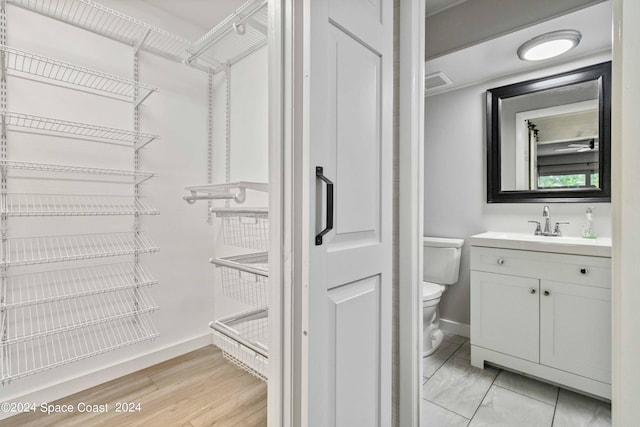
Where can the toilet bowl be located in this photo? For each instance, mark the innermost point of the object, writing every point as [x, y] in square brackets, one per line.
[441, 265]
[431, 333]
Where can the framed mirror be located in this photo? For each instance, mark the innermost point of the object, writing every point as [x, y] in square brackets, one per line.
[548, 140]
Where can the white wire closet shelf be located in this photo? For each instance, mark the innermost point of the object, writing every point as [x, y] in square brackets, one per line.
[235, 37]
[76, 130]
[245, 278]
[56, 285]
[243, 340]
[47, 249]
[236, 191]
[29, 357]
[26, 204]
[39, 320]
[50, 167]
[110, 23]
[23, 63]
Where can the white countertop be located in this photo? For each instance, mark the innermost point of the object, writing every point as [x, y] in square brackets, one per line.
[565, 245]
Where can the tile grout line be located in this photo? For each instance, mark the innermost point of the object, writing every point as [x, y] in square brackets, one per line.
[447, 409]
[485, 395]
[525, 395]
[555, 408]
[445, 360]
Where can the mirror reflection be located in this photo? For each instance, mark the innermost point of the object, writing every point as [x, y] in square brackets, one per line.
[550, 139]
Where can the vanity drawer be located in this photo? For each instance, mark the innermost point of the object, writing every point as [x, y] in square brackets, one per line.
[584, 270]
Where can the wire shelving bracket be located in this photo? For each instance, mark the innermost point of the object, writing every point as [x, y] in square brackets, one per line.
[235, 191]
[238, 35]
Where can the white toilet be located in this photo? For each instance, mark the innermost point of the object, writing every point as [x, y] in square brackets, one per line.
[441, 265]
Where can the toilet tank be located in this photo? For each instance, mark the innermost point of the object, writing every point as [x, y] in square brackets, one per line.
[441, 260]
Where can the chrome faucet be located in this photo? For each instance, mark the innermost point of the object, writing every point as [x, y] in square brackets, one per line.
[547, 221]
[547, 225]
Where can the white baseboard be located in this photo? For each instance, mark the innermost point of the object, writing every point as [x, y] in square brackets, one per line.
[90, 379]
[455, 328]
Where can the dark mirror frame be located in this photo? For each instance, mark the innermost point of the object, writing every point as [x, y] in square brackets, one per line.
[599, 72]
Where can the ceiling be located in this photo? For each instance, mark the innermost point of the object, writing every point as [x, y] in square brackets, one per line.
[435, 6]
[206, 13]
[203, 13]
[497, 57]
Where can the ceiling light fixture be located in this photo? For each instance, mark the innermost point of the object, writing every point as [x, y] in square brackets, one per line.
[549, 45]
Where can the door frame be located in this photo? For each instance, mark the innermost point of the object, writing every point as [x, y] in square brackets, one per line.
[279, 401]
[625, 177]
[411, 207]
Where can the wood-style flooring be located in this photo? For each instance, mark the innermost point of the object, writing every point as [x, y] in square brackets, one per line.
[200, 388]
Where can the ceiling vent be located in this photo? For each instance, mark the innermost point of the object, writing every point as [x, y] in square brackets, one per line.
[436, 81]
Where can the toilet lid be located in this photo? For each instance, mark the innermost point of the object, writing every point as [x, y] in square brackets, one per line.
[431, 291]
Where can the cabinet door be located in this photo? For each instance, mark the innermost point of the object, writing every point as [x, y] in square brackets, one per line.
[575, 329]
[505, 314]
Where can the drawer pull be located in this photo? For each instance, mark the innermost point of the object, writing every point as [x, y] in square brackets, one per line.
[547, 293]
[532, 291]
[584, 270]
[500, 261]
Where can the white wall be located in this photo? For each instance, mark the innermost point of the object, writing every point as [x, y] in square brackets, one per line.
[178, 113]
[455, 180]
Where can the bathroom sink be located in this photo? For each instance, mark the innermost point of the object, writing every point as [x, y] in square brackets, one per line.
[564, 245]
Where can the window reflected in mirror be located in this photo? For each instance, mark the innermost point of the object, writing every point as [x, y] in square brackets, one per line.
[549, 138]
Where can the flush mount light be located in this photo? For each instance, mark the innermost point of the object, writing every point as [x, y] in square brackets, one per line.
[548, 45]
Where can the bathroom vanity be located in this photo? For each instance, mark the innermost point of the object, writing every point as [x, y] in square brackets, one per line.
[542, 306]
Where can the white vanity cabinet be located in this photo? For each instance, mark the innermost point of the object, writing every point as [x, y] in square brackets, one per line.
[544, 314]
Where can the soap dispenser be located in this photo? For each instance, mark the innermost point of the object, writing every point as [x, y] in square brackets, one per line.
[587, 226]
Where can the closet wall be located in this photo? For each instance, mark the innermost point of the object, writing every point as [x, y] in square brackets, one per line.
[178, 114]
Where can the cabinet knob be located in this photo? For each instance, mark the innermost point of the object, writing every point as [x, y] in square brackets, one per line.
[584, 270]
[547, 293]
[532, 291]
[500, 261]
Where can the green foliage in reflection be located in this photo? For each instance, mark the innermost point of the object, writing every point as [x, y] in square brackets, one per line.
[560, 181]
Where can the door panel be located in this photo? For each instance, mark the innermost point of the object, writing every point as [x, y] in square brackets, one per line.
[505, 314]
[354, 87]
[363, 18]
[356, 315]
[349, 96]
[575, 329]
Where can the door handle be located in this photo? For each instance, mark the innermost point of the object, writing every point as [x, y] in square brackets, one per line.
[329, 226]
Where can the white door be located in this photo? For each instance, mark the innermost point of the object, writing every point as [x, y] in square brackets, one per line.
[575, 329]
[505, 314]
[349, 93]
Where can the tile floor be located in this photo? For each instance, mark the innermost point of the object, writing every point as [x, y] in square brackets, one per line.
[457, 394]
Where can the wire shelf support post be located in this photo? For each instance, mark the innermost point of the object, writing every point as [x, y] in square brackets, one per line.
[136, 169]
[4, 349]
[210, 96]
